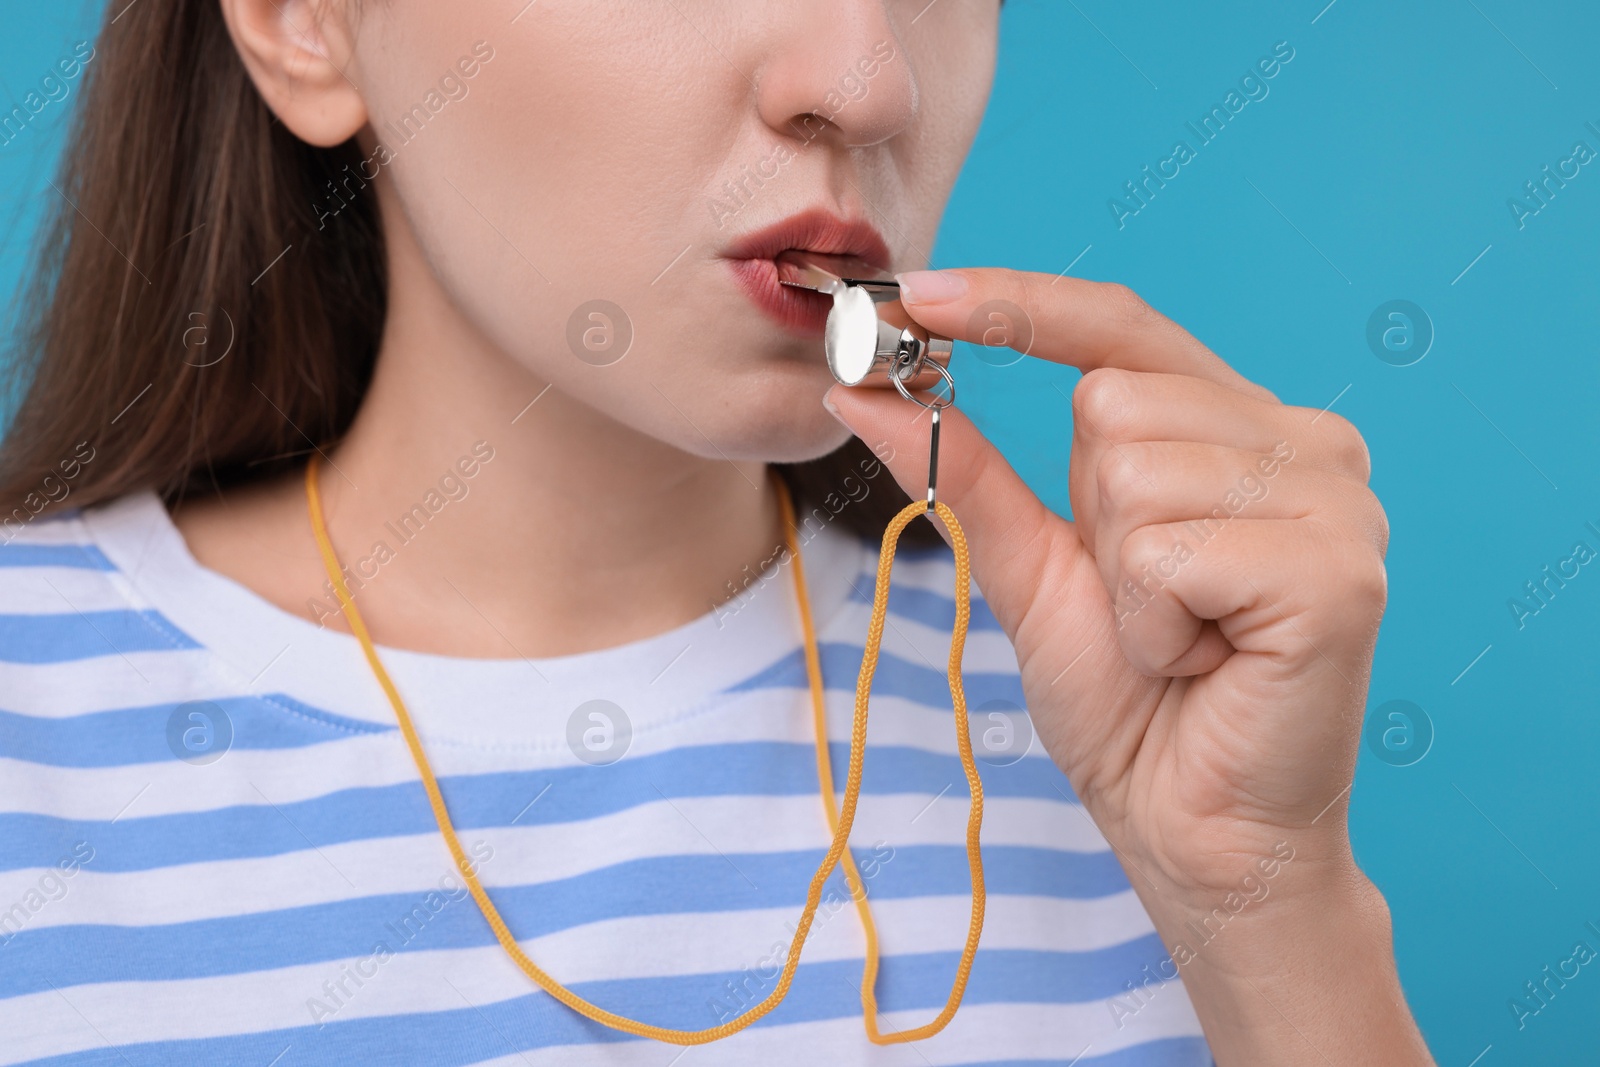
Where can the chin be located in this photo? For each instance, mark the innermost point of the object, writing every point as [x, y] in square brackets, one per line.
[792, 432]
[773, 413]
[811, 447]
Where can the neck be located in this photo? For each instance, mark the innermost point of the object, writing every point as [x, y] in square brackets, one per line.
[578, 533]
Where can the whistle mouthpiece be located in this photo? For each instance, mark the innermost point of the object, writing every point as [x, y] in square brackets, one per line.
[868, 333]
[822, 272]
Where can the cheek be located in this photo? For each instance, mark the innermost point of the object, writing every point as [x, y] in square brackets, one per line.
[566, 176]
[955, 73]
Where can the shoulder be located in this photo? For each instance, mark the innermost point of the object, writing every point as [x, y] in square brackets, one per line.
[72, 630]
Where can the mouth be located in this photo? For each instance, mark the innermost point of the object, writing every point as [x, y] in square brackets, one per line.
[856, 248]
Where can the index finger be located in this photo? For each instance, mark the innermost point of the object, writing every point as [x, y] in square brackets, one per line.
[1065, 320]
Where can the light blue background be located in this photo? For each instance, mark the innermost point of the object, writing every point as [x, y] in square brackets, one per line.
[1388, 148]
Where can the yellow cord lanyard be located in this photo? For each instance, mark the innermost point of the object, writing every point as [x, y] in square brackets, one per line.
[840, 817]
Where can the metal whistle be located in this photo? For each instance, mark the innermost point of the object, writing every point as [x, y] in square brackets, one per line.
[868, 331]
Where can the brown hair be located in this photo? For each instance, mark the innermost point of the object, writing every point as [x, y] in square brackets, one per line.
[184, 221]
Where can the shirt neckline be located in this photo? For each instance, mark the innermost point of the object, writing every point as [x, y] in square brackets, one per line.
[501, 703]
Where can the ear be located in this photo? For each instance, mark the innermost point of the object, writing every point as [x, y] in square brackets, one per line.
[298, 53]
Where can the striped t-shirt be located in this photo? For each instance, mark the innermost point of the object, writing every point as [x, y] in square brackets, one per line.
[215, 848]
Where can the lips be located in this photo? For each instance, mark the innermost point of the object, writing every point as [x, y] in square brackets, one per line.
[800, 311]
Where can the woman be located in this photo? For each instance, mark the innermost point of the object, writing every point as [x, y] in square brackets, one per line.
[499, 277]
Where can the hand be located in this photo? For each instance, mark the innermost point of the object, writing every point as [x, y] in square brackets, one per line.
[1195, 647]
[1212, 709]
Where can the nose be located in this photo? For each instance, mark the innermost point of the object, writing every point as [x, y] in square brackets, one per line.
[836, 72]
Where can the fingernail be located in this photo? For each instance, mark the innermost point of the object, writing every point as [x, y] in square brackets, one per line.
[931, 286]
[830, 406]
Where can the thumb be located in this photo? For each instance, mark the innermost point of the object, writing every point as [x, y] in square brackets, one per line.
[1019, 547]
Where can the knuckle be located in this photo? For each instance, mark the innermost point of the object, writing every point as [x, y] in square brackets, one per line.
[1021, 289]
[1144, 549]
[1349, 598]
[1122, 487]
[1260, 392]
[1104, 401]
[1374, 521]
[1369, 581]
[1127, 307]
[1349, 448]
[1358, 571]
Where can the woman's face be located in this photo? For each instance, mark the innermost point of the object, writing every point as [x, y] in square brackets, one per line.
[655, 157]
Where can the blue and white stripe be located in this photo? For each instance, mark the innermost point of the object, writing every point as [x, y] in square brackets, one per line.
[233, 912]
